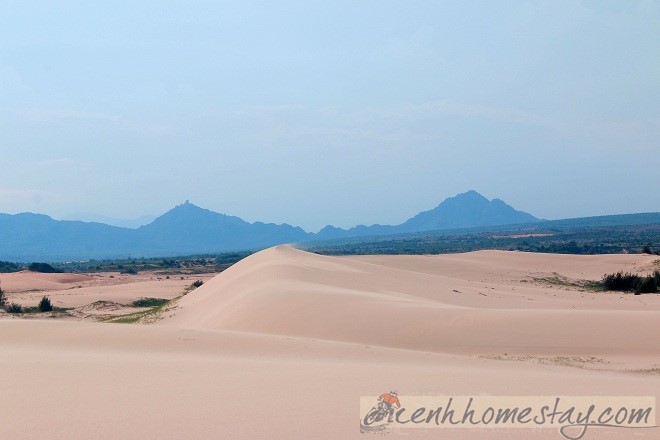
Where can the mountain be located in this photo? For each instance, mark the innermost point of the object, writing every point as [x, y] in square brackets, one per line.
[189, 229]
[466, 210]
[186, 229]
[188, 226]
[132, 223]
[30, 237]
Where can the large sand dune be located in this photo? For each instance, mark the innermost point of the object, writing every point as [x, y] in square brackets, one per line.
[480, 303]
[282, 344]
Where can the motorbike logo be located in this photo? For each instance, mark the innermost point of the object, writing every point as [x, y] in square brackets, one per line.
[382, 413]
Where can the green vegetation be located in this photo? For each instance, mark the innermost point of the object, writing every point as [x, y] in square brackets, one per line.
[9, 307]
[8, 267]
[171, 266]
[155, 306]
[561, 238]
[230, 257]
[127, 319]
[628, 282]
[13, 308]
[139, 316]
[43, 268]
[149, 302]
[193, 286]
[647, 285]
[36, 309]
[45, 305]
[621, 282]
[558, 280]
[188, 265]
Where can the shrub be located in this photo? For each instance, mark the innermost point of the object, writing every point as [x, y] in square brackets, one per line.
[14, 308]
[620, 281]
[647, 250]
[45, 305]
[197, 284]
[6, 267]
[646, 285]
[628, 282]
[149, 302]
[43, 268]
[3, 298]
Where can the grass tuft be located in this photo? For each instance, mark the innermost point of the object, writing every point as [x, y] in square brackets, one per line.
[149, 302]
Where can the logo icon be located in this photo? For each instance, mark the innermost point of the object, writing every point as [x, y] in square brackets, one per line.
[382, 413]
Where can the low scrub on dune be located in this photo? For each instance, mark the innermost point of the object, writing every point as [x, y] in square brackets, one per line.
[8, 267]
[9, 307]
[43, 268]
[628, 282]
[14, 308]
[149, 302]
[155, 305]
[45, 305]
[193, 286]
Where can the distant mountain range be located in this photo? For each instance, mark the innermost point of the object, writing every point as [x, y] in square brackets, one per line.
[132, 223]
[189, 229]
[466, 210]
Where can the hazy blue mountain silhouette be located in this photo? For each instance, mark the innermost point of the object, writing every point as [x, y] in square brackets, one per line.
[466, 210]
[186, 229]
[132, 223]
[189, 229]
[188, 226]
[30, 237]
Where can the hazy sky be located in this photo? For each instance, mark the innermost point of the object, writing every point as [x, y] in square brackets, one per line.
[317, 112]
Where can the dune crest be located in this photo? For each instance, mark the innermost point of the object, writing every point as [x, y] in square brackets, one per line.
[474, 303]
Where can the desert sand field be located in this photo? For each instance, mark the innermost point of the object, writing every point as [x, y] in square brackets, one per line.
[92, 294]
[283, 344]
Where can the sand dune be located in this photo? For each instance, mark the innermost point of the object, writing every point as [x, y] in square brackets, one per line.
[283, 344]
[26, 280]
[478, 303]
[79, 290]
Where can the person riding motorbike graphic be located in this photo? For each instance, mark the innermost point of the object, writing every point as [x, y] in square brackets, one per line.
[390, 400]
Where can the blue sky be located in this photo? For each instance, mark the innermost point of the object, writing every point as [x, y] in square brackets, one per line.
[338, 112]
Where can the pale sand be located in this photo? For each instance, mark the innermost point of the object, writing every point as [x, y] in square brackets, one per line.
[76, 290]
[473, 303]
[318, 332]
[25, 281]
